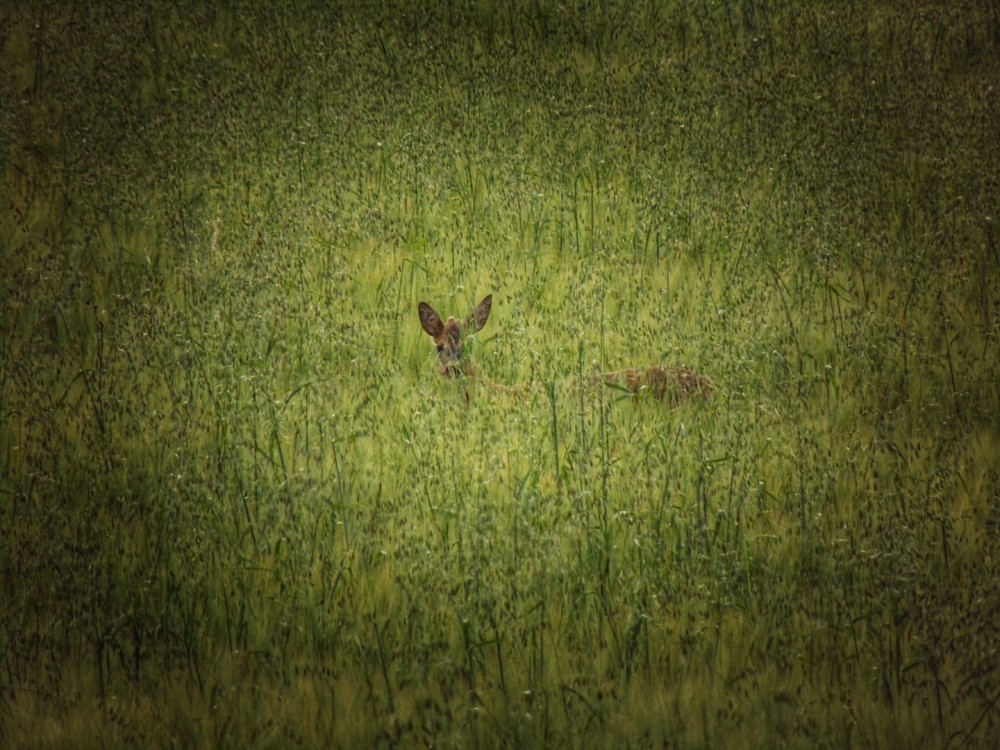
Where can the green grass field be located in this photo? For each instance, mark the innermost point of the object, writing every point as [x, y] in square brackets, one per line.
[240, 508]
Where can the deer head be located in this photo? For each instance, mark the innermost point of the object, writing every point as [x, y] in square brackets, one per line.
[448, 336]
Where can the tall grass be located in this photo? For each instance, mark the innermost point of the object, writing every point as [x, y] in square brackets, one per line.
[238, 507]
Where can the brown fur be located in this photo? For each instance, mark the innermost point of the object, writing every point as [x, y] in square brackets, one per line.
[673, 384]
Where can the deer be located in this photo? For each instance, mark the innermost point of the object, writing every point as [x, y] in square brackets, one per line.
[448, 336]
[673, 384]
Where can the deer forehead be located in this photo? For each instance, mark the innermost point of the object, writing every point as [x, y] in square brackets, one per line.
[451, 331]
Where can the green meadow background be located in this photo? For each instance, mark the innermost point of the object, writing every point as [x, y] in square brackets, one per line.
[240, 508]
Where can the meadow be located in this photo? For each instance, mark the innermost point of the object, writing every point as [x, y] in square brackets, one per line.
[239, 507]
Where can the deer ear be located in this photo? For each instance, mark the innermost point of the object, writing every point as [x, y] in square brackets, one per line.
[430, 320]
[482, 313]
